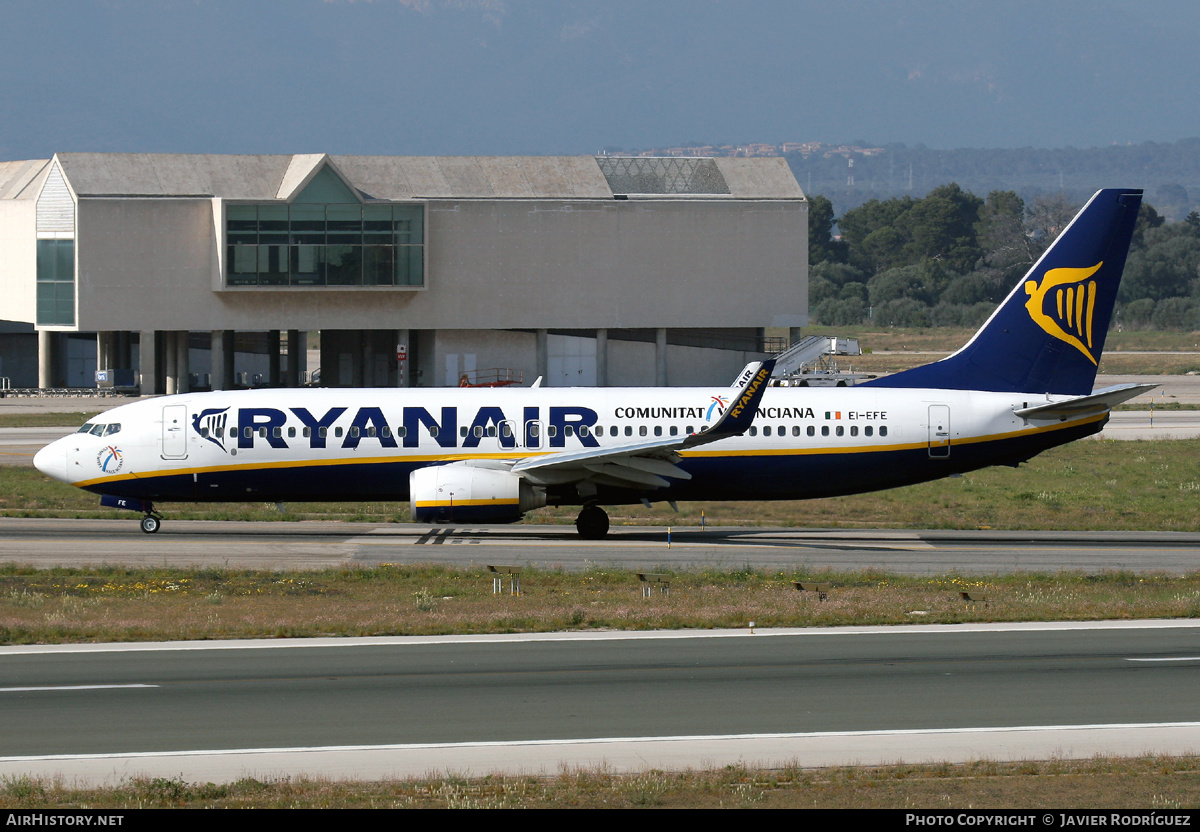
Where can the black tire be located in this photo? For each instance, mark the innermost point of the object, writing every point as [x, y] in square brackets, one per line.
[150, 524]
[592, 523]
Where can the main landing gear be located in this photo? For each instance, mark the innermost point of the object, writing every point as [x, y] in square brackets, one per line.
[592, 523]
[151, 522]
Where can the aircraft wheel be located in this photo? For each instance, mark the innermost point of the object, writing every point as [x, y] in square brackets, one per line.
[150, 524]
[592, 523]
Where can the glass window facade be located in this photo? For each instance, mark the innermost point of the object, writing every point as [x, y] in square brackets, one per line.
[303, 245]
[56, 282]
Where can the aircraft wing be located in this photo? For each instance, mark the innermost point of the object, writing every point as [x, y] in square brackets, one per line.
[1099, 401]
[650, 464]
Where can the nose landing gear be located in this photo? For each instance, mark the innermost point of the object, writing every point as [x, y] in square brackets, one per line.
[151, 523]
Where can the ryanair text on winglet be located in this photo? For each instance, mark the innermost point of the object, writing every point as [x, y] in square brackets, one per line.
[759, 380]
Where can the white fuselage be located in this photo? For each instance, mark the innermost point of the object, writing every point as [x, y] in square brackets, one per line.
[361, 444]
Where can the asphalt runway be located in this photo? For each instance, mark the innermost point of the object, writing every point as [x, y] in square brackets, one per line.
[322, 544]
[374, 708]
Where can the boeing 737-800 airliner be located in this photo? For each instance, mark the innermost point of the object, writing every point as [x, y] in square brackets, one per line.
[1021, 385]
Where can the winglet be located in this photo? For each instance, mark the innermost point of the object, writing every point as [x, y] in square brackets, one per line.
[738, 417]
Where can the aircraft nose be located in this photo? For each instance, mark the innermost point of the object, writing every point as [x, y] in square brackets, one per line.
[52, 460]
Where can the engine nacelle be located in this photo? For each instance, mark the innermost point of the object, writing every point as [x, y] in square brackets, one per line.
[460, 493]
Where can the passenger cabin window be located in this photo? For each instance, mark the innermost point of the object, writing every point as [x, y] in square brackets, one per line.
[883, 430]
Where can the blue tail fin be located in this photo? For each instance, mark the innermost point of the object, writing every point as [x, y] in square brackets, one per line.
[1048, 334]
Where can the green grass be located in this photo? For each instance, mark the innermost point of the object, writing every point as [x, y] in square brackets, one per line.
[46, 420]
[1162, 784]
[949, 339]
[120, 604]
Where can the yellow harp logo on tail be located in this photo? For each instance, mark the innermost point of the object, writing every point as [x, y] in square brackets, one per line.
[1072, 299]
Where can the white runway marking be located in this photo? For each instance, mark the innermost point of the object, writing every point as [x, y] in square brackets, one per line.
[74, 687]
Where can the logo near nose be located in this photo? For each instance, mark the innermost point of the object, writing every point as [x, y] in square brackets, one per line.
[110, 459]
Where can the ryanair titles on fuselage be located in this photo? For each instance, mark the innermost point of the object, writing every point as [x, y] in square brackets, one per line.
[267, 424]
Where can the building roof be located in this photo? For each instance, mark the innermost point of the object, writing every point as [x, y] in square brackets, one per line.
[267, 178]
[15, 176]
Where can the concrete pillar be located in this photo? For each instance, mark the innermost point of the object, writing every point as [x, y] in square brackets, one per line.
[660, 357]
[294, 358]
[273, 378]
[103, 350]
[220, 357]
[148, 364]
[171, 363]
[795, 333]
[601, 357]
[543, 355]
[46, 356]
[404, 369]
[182, 362]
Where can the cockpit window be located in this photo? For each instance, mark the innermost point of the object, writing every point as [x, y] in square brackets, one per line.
[100, 430]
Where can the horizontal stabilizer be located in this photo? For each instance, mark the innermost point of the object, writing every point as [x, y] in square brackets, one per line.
[1101, 400]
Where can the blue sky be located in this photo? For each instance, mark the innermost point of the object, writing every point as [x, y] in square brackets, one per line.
[451, 77]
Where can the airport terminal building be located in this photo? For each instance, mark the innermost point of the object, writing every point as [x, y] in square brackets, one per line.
[205, 271]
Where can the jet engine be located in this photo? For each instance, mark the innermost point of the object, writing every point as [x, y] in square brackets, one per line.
[460, 493]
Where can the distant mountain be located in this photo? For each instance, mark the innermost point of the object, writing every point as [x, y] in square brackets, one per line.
[1169, 172]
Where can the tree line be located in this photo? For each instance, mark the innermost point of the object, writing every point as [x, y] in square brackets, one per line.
[948, 258]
